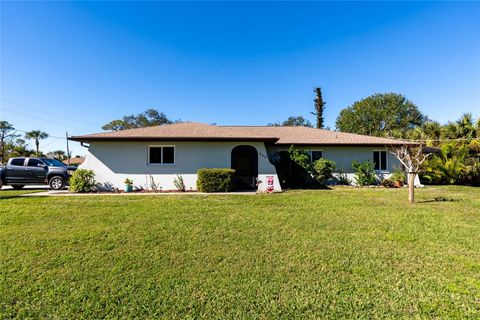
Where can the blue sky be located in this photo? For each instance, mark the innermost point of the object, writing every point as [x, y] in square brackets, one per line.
[81, 64]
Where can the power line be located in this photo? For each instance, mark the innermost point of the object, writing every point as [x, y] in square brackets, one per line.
[42, 119]
[46, 112]
[52, 142]
[49, 136]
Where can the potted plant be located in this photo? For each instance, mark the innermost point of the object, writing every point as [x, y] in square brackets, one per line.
[128, 185]
[398, 178]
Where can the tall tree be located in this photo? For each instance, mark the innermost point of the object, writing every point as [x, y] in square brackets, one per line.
[150, 117]
[380, 115]
[319, 107]
[293, 121]
[7, 134]
[36, 135]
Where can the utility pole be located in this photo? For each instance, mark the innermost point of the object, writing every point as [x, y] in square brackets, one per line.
[68, 150]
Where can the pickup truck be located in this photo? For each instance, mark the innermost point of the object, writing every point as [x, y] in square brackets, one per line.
[22, 171]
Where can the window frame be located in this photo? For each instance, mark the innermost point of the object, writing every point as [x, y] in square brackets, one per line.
[380, 160]
[162, 146]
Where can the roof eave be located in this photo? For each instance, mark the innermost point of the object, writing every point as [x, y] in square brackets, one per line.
[376, 144]
[186, 139]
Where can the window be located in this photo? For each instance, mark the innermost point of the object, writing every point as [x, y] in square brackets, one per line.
[34, 162]
[315, 154]
[17, 162]
[161, 155]
[380, 160]
[54, 163]
[168, 155]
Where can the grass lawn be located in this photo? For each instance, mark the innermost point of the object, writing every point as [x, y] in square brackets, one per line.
[354, 253]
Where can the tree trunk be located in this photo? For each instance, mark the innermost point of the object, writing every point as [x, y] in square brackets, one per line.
[2, 151]
[411, 187]
[36, 143]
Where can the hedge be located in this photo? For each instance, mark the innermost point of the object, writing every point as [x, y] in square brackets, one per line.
[215, 180]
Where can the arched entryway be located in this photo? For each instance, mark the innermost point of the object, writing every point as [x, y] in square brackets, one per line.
[245, 164]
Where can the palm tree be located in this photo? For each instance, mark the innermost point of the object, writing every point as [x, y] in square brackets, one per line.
[466, 126]
[57, 154]
[448, 165]
[36, 135]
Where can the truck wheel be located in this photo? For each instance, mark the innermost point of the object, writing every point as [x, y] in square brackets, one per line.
[18, 186]
[56, 183]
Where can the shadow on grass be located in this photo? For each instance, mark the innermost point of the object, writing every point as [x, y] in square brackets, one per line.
[440, 199]
[4, 197]
[10, 193]
[308, 188]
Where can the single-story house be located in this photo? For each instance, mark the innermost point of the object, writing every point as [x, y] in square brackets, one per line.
[162, 152]
[74, 161]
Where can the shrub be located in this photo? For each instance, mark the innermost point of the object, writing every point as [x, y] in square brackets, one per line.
[342, 178]
[301, 158]
[388, 183]
[179, 184]
[215, 180]
[323, 170]
[128, 181]
[151, 184]
[364, 172]
[290, 174]
[398, 175]
[82, 180]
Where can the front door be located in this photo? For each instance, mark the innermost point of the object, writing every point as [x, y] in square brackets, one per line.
[245, 164]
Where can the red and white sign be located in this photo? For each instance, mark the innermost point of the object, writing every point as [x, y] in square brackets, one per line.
[270, 187]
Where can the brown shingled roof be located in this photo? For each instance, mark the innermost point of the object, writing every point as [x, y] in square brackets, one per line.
[75, 160]
[192, 131]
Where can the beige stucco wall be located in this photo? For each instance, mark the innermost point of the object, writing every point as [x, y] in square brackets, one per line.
[112, 162]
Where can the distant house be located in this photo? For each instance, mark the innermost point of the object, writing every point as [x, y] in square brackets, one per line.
[75, 161]
[162, 152]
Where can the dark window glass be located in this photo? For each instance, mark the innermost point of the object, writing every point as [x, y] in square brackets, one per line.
[17, 162]
[316, 155]
[380, 160]
[383, 160]
[376, 160]
[34, 162]
[54, 163]
[155, 155]
[168, 155]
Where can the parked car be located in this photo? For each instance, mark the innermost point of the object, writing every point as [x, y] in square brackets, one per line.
[22, 171]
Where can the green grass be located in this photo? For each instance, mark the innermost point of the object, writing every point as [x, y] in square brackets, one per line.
[342, 253]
